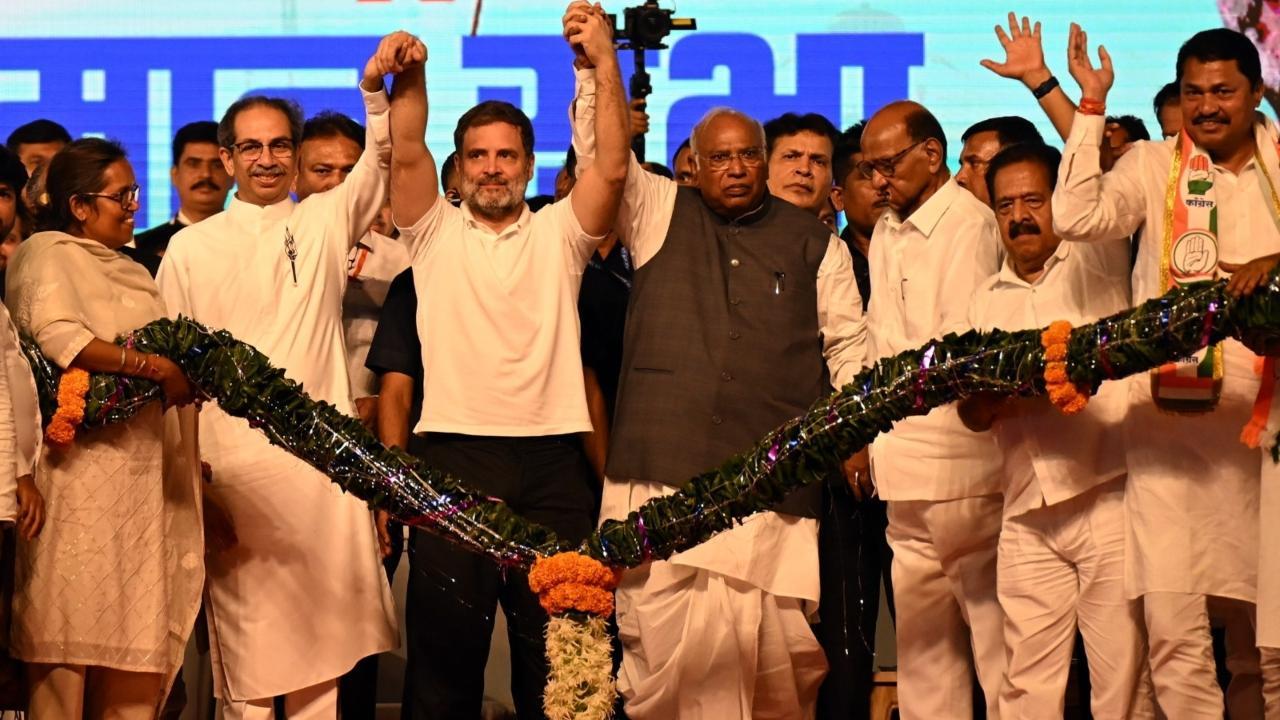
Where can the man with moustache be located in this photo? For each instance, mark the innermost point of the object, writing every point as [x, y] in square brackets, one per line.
[503, 401]
[982, 141]
[1061, 554]
[272, 272]
[1205, 201]
[202, 184]
[800, 148]
[942, 483]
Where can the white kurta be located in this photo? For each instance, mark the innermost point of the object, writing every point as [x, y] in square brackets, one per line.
[924, 269]
[372, 264]
[114, 579]
[1192, 495]
[1049, 457]
[1060, 561]
[302, 597]
[20, 424]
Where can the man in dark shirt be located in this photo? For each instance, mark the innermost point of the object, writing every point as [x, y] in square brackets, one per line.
[854, 554]
[861, 204]
[202, 184]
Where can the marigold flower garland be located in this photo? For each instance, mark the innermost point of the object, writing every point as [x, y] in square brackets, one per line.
[1063, 393]
[245, 384]
[580, 682]
[72, 386]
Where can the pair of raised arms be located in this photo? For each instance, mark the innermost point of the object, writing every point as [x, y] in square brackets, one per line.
[1024, 61]
[414, 183]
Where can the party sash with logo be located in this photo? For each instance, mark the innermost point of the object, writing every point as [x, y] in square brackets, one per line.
[1190, 254]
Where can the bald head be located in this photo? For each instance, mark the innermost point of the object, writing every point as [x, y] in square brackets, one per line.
[729, 161]
[718, 117]
[907, 153]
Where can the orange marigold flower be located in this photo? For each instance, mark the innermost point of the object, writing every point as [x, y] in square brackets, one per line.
[1062, 392]
[1059, 331]
[582, 598]
[1076, 404]
[72, 387]
[571, 581]
[1055, 372]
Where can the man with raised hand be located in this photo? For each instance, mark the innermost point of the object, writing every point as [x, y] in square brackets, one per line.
[302, 597]
[504, 403]
[1205, 201]
[744, 311]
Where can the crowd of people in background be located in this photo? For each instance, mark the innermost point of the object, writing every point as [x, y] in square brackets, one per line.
[580, 354]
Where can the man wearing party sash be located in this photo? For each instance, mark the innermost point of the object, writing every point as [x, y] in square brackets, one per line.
[1206, 201]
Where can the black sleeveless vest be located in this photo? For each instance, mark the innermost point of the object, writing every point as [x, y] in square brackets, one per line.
[721, 344]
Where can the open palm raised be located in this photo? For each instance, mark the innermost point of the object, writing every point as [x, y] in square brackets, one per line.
[1094, 82]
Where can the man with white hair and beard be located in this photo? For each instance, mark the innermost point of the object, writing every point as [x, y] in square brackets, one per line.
[503, 399]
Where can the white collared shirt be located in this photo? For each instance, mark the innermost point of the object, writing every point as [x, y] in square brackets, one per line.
[233, 271]
[924, 270]
[1089, 205]
[1048, 456]
[373, 263]
[498, 320]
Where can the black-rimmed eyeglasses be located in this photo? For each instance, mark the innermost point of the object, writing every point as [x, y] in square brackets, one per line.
[126, 197]
[888, 166]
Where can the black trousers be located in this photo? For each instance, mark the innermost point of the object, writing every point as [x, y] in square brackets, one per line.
[453, 593]
[853, 557]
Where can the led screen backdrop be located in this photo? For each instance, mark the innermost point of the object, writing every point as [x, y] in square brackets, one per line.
[136, 71]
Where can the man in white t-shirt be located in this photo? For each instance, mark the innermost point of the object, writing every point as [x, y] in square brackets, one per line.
[503, 398]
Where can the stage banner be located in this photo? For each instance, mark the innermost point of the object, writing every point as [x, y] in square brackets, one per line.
[135, 71]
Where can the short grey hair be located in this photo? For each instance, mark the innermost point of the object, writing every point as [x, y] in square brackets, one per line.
[716, 112]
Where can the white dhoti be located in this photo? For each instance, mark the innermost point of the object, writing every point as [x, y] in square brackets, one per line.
[1061, 566]
[301, 597]
[721, 631]
[949, 618]
[1192, 508]
[1269, 585]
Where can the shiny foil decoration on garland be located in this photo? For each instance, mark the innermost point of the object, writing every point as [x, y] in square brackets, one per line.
[245, 385]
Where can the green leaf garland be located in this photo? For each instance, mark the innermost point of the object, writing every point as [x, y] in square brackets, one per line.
[246, 385]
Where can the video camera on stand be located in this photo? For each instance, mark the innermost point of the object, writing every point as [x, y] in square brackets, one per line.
[644, 27]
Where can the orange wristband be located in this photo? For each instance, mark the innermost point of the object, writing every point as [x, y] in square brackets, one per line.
[1089, 106]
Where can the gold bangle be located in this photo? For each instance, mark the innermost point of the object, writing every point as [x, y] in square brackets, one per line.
[123, 353]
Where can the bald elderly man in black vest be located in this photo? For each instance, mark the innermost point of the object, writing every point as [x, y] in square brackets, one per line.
[744, 311]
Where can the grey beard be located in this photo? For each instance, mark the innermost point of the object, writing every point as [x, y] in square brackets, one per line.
[495, 208]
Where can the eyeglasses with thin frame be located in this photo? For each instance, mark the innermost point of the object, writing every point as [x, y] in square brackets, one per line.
[720, 159]
[887, 167]
[252, 149]
[127, 197]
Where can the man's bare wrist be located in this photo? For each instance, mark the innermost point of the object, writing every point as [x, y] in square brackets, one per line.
[1036, 78]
